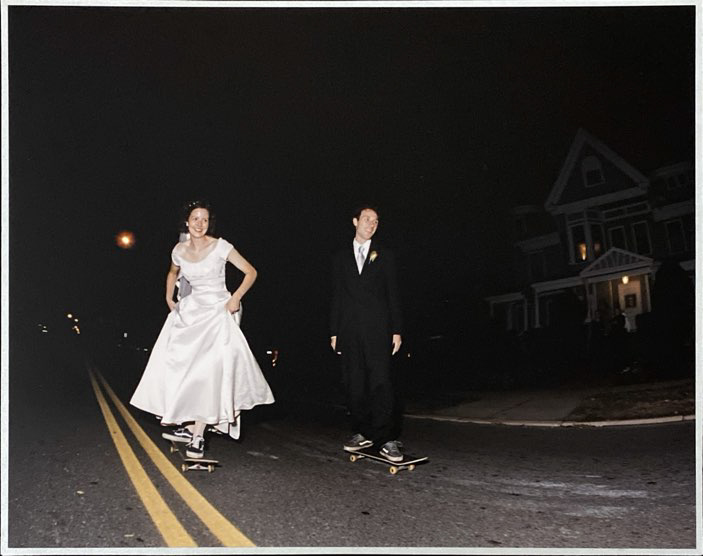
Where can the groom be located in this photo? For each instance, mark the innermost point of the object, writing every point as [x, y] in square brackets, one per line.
[365, 326]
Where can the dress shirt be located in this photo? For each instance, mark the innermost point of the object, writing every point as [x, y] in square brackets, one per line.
[365, 250]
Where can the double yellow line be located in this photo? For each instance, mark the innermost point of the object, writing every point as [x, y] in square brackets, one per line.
[173, 533]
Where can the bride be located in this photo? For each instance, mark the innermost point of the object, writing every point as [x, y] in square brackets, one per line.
[201, 371]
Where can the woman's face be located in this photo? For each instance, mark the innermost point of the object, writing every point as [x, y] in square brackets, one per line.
[198, 222]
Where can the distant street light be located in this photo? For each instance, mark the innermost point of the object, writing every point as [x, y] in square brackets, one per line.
[125, 240]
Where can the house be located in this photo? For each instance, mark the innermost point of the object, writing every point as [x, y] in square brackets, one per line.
[603, 232]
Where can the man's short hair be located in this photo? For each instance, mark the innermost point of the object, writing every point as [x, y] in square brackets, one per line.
[362, 208]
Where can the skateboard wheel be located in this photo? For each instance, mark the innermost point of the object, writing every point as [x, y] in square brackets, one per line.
[352, 458]
[210, 468]
[184, 467]
[393, 469]
[411, 467]
[171, 449]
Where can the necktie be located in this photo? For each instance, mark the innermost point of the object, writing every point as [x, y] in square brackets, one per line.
[360, 258]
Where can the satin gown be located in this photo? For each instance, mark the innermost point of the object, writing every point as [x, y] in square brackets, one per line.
[201, 367]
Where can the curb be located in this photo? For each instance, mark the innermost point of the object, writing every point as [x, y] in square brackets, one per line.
[557, 424]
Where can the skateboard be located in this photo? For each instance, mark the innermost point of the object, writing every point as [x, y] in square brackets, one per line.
[409, 461]
[193, 463]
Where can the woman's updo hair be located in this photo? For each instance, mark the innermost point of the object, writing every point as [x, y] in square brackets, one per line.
[190, 207]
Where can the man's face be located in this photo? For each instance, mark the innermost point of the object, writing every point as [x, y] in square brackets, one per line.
[365, 225]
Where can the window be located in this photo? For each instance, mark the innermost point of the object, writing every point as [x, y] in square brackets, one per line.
[618, 237]
[591, 171]
[546, 312]
[641, 233]
[677, 180]
[675, 236]
[517, 317]
[597, 240]
[578, 242]
[537, 266]
[587, 241]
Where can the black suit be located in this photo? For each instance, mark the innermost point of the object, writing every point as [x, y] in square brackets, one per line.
[364, 316]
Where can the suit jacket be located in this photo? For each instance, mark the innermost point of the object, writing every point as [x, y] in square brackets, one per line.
[365, 305]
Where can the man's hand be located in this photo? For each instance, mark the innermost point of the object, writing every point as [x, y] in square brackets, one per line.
[396, 343]
[333, 342]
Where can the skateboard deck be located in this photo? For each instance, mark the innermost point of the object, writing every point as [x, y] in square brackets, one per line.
[202, 464]
[409, 461]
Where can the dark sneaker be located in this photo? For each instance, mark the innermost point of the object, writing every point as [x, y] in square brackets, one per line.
[178, 435]
[357, 442]
[196, 447]
[391, 451]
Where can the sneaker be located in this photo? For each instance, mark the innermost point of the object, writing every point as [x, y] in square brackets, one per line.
[196, 447]
[391, 451]
[357, 442]
[178, 435]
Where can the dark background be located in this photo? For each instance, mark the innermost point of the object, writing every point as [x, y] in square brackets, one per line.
[286, 119]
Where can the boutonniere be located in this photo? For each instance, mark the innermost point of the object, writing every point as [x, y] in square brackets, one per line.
[373, 255]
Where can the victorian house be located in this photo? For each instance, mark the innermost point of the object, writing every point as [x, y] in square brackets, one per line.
[602, 233]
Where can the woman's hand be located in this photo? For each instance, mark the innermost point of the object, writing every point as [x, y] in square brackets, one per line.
[233, 304]
[171, 304]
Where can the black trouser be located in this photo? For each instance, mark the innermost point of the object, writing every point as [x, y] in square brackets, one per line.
[369, 389]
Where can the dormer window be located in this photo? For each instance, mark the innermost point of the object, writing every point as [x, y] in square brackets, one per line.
[677, 180]
[592, 171]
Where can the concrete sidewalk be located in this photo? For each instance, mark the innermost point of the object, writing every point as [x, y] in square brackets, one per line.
[657, 402]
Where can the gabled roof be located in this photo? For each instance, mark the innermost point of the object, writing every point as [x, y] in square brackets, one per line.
[582, 138]
[615, 260]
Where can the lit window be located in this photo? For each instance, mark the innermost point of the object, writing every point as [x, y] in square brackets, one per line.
[578, 238]
[583, 251]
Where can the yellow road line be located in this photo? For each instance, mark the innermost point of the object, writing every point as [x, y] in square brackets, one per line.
[227, 533]
[166, 522]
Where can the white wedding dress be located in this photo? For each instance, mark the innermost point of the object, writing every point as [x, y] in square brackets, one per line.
[201, 367]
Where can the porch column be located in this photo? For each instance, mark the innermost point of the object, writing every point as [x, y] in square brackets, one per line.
[649, 298]
[524, 314]
[589, 316]
[537, 325]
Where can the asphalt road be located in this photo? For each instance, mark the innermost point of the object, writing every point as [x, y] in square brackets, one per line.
[287, 483]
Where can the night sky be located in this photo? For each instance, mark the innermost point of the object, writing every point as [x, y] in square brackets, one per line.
[286, 119]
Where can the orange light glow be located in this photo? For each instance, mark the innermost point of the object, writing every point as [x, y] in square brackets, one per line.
[125, 240]
[582, 251]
